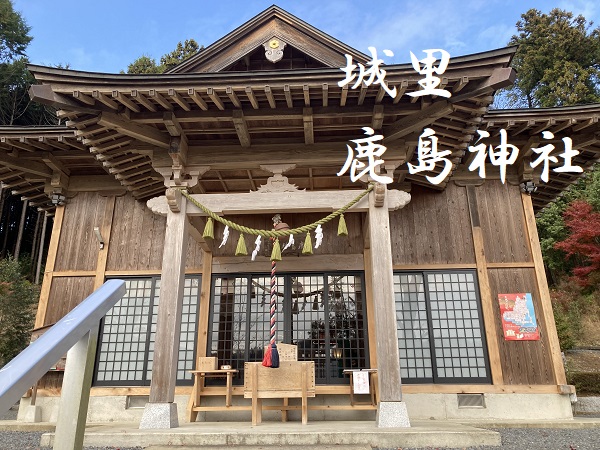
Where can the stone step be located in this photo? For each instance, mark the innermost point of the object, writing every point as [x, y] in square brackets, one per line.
[264, 447]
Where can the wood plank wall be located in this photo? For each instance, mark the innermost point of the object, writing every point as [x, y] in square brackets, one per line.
[438, 230]
[134, 242]
[433, 229]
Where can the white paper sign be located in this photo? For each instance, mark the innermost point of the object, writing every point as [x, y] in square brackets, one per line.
[361, 382]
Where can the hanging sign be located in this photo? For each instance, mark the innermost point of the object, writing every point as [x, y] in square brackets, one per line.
[518, 317]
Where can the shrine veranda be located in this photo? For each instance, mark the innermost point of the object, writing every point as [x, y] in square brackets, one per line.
[412, 290]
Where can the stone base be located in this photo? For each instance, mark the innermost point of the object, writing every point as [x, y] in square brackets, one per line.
[392, 415]
[32, 414]
[159, 416]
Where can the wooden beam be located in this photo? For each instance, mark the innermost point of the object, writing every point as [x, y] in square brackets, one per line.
[309, 136]
[160, 99]
[126, 101]
[43, 93]
[241, 128]
[214, 96]
[26, 166]
[487, 302]
[271, 202]
[195, 96]
[84, 98]
[306, 93]
[288, 96]
[55, 164]
[417, 121]
[498, 79]
[377, 121]
[542, 284]
[104, 99]
[270, 97]
[233, 97]
[251, 97]
[179, 100]
[172, 124]
[143, 100]
[362, 94]
[109, 145]
[325, 89]
[402, 87]
[144, 133]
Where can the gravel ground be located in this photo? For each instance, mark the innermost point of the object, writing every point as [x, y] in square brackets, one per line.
[512, 439]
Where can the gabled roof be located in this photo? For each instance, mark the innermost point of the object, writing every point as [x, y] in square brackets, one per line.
[273, 22]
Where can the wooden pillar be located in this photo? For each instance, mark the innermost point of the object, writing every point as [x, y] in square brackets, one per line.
[21, 226]
[203, 318]
[391, 412]
[487, 301]
[41, 250]
[161, 411]
[35, 243]
[40, 318]
[542, 283]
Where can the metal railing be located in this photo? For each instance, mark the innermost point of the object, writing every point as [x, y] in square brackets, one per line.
[75, 333]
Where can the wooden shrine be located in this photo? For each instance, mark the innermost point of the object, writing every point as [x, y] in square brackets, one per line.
[412, 291]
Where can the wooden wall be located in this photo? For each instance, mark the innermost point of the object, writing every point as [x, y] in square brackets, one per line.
[433, 228]
[134, 239]
[484, 228]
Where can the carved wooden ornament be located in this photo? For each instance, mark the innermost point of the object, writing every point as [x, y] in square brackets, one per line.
[274, 50]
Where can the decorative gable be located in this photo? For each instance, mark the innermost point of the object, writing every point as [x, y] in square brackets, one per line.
[273, 40]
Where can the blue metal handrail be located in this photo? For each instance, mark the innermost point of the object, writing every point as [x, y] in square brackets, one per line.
[31, 364]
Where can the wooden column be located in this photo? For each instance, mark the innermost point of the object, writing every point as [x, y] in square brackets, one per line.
[391, 411]
[41, 250]
[382, 285]
[21, 226]
[542, 283]
[203, 318]
[487, 302]
[161, 412]
[40, 318]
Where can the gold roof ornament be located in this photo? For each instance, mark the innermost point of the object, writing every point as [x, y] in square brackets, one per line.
[274, 50]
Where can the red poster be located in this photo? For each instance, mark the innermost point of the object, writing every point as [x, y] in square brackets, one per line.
[518, 317]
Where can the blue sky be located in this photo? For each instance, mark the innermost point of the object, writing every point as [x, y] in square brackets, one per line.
[107, 35]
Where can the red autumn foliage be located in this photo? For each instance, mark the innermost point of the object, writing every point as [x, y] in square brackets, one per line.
[583, 244]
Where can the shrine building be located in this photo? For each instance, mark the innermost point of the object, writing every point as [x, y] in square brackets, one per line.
[254, 125]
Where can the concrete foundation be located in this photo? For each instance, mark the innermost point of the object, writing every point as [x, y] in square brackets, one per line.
[159, 416]
[32, 414]
[419, 406]
[392, 415]
[289, 435]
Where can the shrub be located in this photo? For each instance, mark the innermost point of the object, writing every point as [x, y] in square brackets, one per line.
[18, 298]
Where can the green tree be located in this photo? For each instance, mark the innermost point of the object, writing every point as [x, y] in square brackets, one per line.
[147, 64]
[14, 32]
[182, 52]
[144, 64]
[557, 62]
[18, 298]
[15, 106]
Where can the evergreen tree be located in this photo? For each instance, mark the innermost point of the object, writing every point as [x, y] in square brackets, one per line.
[557, 62]
[14, 32]
[18, 298]
[147, 64]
